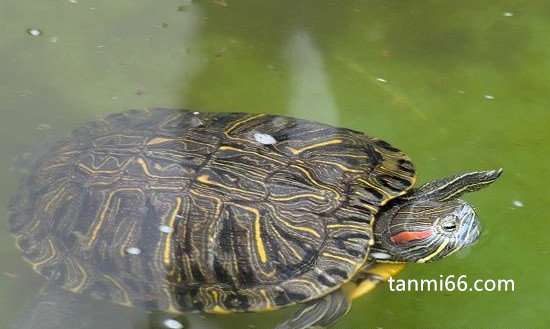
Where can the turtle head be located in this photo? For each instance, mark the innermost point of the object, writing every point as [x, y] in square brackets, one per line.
[424, 231]
[430, 222]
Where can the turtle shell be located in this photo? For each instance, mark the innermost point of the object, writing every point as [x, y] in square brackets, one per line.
[221, 212]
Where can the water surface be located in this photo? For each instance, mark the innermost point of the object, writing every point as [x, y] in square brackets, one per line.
[457, 85]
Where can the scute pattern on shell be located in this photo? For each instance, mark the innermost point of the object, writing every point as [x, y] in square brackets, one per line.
[254, 226]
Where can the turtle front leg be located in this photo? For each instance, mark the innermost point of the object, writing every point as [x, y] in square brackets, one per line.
[319, 313]
[371, 276]
[325, 311]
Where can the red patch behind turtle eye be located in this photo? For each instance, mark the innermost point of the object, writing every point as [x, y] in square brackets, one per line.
[406, 237]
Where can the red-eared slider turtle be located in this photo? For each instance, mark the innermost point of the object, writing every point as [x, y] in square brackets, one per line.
[227, 212]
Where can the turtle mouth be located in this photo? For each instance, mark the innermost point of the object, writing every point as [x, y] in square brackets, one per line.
[472, 229]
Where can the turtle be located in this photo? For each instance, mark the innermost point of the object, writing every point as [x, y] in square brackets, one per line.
[222, 212]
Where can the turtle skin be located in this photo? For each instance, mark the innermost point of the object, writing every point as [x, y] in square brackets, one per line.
[220, 212]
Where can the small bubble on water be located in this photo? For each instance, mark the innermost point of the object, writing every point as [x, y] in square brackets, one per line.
[381, 80]
[517, 203]
[488, 96]
[43, 127]
[508, 14]
[172, 324]
[54, 39]
[11, 275]
[34, 32]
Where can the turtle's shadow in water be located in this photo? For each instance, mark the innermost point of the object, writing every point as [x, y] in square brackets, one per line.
[54, 308]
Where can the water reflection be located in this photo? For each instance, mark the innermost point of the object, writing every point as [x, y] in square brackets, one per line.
[310, 93]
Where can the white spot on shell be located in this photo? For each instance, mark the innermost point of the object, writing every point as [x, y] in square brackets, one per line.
[133, 250]
[172, 324]
[380, 255]
[517, 203]
[166, 229]
[196, 113]
[265, 139]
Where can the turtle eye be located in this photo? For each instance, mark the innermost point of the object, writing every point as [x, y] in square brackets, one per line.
[449, 224]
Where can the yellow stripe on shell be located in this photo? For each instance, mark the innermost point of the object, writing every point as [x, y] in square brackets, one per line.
[78, 288]
[55, 165]
[257, 231]
[101, 218]
[314, 182]
[126, 299]
[299, 228]
[48, 207]
[312, 146]
[285, 241]
[270, 157]
[158, 140]
[49, 258]
[95, 171]
[129, 236]
[218, 201]
[205, 179]
[145, 168]
[168, 240]
[329, 255]
[378, 189]
[266, 298]
[239, 122]
[359, 227]
[299, 196]
[336, 164]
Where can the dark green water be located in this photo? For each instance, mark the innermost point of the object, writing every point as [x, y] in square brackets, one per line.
[457, 85]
